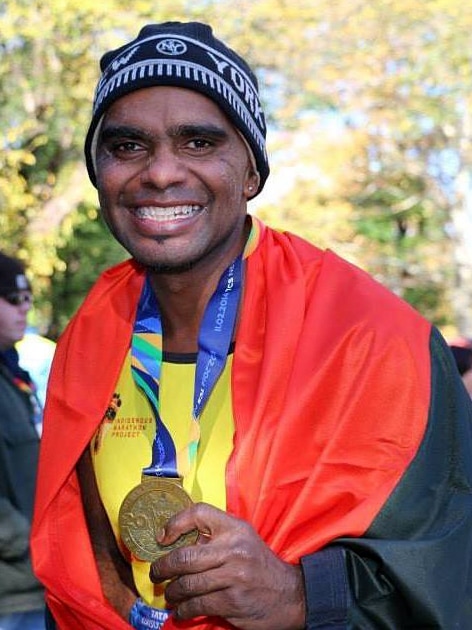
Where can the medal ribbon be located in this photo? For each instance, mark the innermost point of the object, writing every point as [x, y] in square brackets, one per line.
[216, 333]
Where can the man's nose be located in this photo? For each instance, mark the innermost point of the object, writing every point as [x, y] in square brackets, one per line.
[25, 306]
[164, 167]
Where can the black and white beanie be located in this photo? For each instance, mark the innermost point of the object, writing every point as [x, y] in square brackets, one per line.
[183, 55]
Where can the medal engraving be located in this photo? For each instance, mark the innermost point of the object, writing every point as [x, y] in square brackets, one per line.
[145, 511]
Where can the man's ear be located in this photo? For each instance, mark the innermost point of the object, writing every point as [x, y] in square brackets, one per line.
[252, 183]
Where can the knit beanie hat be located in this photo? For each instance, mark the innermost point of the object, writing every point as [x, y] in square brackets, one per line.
[12, 276]
[183, 55]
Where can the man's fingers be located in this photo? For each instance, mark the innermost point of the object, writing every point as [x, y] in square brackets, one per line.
[206, 519]
[195, 585]
[185, 560]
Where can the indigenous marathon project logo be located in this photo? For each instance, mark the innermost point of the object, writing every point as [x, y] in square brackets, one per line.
[112, 409]
[107, 420]
[117, 425]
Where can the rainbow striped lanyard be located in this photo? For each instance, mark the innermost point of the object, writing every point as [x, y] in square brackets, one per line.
[215, 336]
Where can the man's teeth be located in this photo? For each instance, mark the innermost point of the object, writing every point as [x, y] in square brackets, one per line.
[173, 212]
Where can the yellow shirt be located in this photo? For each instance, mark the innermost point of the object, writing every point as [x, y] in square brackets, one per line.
[122, 446]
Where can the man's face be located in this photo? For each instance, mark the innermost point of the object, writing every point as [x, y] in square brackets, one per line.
[13, 312]
[173, 177]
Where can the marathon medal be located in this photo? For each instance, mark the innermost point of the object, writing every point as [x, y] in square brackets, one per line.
[147, 508]
[145, 511]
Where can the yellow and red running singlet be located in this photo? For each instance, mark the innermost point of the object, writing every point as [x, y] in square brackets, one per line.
[122, 445]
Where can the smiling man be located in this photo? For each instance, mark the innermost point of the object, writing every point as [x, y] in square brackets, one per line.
[242, 430]
[174, 177]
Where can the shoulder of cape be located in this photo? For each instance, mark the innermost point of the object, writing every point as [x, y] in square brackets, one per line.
[286, 257]
[86, 366]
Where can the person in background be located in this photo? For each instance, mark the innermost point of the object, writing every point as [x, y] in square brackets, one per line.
[36, 353]
[241, 430]
[462, 351]
[21, 594]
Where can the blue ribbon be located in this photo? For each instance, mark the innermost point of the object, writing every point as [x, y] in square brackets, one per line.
[216, 333]
[144, 617]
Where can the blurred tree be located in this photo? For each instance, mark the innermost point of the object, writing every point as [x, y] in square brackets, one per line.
[84, 249]
[389, 188]
[48, 70]
[397, 74]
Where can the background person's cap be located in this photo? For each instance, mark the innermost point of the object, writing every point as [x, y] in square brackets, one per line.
[12, 275]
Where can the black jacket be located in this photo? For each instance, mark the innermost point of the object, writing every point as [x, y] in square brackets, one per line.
[20, 591]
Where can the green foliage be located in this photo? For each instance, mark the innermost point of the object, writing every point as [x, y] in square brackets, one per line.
[428, 298]
[86, 249]
[382, 188]
[49, 56]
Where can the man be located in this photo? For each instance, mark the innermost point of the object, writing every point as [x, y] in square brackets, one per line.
[36, 353]
[241, 430]
[21, 594]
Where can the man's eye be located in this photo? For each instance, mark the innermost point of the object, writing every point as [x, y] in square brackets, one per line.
[199, 144]
[125, 146]
[122, 149]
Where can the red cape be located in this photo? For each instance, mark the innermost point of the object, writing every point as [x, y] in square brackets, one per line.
[323, 430]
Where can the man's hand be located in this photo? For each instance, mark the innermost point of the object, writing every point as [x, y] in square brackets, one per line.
[229, 573]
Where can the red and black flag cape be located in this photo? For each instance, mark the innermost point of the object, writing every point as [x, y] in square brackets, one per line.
[352, 432]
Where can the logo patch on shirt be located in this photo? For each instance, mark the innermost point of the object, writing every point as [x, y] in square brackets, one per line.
[107, 420]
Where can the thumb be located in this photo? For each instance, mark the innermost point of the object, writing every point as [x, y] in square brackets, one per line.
[206, 519]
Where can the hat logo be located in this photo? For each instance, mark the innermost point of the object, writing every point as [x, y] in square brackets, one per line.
[171, 47]
[124, 59]
[21, 282]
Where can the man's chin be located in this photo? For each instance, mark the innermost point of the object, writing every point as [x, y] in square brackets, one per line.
[171, 268]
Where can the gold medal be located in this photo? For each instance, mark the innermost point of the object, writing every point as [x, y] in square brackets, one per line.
[146, 510]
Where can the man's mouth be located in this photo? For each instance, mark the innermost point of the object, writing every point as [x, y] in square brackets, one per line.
[171, 213]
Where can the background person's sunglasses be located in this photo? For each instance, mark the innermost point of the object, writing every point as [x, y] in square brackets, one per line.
[16, 299]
